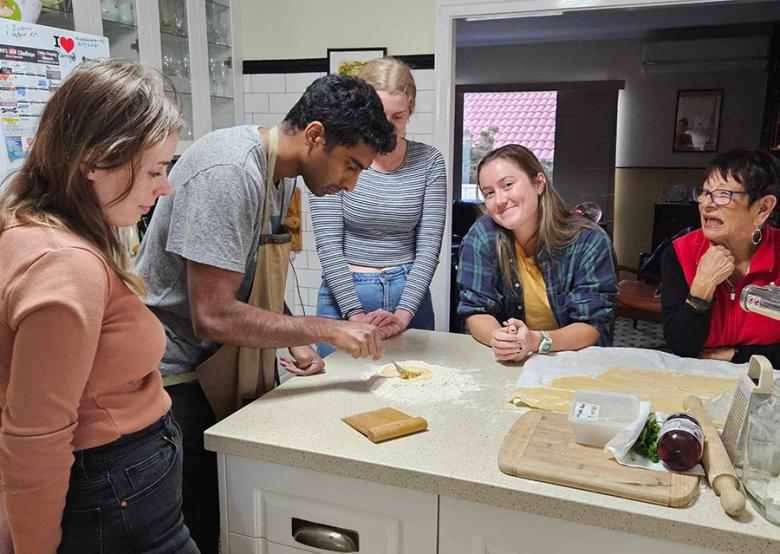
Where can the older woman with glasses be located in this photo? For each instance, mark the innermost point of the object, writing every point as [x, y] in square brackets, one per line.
[705, 271]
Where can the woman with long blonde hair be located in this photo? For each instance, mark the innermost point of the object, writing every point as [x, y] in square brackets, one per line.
[533, 278]
[379, 244]
[89, 453]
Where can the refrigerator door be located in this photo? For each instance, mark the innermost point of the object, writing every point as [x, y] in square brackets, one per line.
[34, 59]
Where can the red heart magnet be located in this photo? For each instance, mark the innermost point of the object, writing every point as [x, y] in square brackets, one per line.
[67, 44]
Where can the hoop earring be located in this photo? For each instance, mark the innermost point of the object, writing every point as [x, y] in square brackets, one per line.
[754, 240]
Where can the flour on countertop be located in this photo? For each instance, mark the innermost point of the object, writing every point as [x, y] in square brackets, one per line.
[445, 384]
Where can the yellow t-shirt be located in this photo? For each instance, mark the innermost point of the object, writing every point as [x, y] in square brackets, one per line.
[538, 314]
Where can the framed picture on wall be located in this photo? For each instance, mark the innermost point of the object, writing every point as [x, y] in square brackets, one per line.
[697, 120]
[347, 61]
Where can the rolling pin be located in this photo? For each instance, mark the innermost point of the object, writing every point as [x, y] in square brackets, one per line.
[720, 472]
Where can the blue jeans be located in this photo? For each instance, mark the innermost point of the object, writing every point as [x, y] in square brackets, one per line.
[125, 496]
[375, 290]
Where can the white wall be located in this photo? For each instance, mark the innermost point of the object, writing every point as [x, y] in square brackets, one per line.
[306, 29]
[267, 99]
[646, 108]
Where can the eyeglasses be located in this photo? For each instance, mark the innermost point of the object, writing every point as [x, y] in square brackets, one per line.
[721, 197]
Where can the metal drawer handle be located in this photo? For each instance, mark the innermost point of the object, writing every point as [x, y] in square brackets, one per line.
[324, 536]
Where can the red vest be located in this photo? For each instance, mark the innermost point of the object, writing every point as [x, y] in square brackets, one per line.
[730, 325]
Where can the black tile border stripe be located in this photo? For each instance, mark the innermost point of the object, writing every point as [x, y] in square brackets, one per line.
[319, 65]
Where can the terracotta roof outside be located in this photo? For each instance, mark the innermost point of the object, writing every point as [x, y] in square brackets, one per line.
[526, 118]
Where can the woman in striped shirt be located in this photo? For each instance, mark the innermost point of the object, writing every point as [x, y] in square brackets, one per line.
[379, 244]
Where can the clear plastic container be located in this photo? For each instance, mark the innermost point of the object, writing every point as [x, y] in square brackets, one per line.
[597, 416]
[761, 468]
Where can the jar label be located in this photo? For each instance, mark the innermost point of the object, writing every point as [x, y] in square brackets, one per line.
[681, 424]
[584, 410]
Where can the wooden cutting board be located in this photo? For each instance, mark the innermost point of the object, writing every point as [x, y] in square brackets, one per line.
[540, 446]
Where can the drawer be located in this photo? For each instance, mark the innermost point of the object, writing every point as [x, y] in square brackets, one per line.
[239, 544]
[271, 501]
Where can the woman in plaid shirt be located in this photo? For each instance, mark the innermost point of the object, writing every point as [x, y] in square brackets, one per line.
[533, 277]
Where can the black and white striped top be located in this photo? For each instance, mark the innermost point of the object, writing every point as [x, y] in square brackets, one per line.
[389, 219]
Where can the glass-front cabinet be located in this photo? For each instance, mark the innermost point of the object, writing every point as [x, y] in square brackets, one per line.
[218, 33]
[175, 49]
[120, 26]
[58, 14]
[192, 42]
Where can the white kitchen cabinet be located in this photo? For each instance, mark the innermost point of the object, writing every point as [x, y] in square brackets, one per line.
[265, 506]
[473, 528]
[193, 42]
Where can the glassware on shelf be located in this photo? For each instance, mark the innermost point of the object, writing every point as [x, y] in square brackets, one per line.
[168, 17]
[217, 23]
[177, 69]
[222, 112]
[761, 469]
[221, 73]
[109, 10]
[185, 101]
[57, 13]
[173, 17]
[126, 11]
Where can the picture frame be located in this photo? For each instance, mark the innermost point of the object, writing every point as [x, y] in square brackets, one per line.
[347, 61]
[697, 120]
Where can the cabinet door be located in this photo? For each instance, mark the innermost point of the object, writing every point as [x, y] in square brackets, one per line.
[58, 15]
[175, 49]
[120, 26]
[239, 544]
[273, 502]
[221, 74]
[472, 528]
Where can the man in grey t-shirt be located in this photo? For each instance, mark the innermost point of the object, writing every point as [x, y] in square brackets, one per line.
[197, 257]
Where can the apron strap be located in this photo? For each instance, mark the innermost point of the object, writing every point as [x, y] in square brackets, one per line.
[273, 146]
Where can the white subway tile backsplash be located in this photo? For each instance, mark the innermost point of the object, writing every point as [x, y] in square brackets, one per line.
[308, 278]
[313, 293]
[247, 82]
[282, 102]
[308, 241]
[301, 259]
[425, 138]
[297, 82]
[267, 119]
[425, 101]
[256, 102]
[272, 82]
[421, 123]
[307, 223]
[314, 261]
[423, 79]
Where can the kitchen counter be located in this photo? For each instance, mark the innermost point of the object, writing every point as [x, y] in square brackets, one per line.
[299, 425]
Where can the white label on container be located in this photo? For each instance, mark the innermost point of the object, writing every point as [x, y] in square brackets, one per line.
[583, 410]
[682, 424]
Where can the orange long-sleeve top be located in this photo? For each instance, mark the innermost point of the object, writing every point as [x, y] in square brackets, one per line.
[78, 369]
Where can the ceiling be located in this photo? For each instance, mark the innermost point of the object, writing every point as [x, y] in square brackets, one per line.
[754, 18]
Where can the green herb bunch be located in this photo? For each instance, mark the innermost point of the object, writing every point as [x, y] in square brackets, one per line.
[647, 442]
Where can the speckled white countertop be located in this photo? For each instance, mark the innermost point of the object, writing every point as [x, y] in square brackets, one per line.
[299, 424]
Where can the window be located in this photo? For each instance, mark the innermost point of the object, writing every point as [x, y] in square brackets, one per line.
[493, 119]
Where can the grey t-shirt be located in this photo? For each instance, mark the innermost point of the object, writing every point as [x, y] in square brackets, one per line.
[213, 217]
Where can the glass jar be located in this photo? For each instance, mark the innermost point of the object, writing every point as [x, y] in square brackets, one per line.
[680, 442]
[761, 470]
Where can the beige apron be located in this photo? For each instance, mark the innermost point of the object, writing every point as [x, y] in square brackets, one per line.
[236, 375]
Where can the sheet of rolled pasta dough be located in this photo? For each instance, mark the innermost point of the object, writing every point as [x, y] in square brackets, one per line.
[665, 389]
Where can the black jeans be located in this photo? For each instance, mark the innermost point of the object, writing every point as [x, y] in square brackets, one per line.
[200, 486]
[125, 496]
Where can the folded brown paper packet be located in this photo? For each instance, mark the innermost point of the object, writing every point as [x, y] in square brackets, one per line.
[385, 423]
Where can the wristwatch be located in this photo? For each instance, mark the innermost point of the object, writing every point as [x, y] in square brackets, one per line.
[546, 343]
